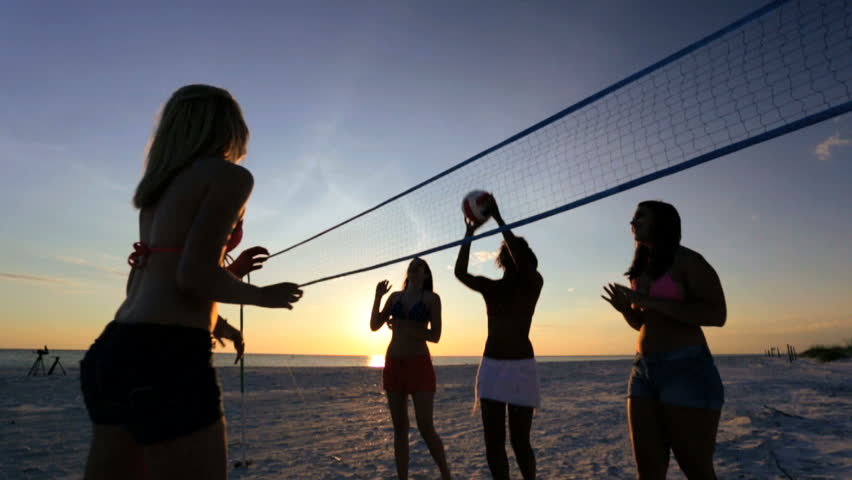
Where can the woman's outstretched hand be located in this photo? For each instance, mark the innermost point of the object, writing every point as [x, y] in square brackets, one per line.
[382, 288]
[249, 260]
[280, 295]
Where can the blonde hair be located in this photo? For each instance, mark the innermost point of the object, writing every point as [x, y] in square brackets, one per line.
[198, 121]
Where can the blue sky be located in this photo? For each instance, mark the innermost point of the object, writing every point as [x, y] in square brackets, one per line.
[352, 102]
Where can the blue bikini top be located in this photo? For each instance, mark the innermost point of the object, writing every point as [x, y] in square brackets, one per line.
[418, 313]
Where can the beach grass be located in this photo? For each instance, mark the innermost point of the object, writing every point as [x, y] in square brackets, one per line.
[825, 353]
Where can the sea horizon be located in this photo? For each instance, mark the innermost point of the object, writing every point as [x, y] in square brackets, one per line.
[25, 358]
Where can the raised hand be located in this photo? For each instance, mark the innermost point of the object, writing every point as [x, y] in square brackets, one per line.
[382, 288]
[470, 227]
[249, 260]
[492, 208]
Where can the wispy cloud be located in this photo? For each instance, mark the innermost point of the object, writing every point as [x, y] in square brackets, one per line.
[71, 260]
[59, 154]
[85, 263]
[478, 259]
[97, 178]
[795, 326]
[28, 145]
[823, 150]
[260, 212]
[483, 257]
[18, 277]
[813, 326]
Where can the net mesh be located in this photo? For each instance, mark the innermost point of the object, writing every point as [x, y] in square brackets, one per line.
[783, 67]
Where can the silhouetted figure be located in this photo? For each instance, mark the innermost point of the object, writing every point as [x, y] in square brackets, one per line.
[507, 379]
[675, 394]
[414, 316]
[148, 381]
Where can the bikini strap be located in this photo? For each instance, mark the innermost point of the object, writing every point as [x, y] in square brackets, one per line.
[138, 256]
[141, 251]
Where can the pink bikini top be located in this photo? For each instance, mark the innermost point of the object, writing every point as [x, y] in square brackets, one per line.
[663, 287]
[141, 250]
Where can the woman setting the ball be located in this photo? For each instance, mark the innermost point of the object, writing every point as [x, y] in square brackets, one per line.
[508, 376]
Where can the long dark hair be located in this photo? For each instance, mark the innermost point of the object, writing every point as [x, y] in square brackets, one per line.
[504, 256]
[665, 238]
[427, 283]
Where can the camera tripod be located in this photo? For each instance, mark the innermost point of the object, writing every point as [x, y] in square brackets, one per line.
[39, 363]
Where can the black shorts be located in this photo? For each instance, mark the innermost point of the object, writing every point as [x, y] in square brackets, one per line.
[156, 381]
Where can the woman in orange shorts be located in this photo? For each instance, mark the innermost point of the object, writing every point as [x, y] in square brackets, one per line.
[414, 316]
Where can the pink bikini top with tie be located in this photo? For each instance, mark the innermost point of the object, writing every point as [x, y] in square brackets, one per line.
[663, 287]
[141, 251]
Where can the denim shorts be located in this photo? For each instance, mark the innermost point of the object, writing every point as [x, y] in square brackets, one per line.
[685, 377]
[155, 381]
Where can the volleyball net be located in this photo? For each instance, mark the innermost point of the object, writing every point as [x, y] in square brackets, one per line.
[783, 67]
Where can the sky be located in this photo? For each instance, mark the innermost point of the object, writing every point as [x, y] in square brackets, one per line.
[360, 100]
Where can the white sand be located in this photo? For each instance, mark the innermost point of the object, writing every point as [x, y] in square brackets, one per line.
[780, 421]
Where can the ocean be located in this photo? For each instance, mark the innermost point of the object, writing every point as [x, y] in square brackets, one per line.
[24, 359]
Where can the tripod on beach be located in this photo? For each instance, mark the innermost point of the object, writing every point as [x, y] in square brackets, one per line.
[39, 363]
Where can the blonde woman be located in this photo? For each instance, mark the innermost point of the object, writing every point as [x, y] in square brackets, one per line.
[148, 383]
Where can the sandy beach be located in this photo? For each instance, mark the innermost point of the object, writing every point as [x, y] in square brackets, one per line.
[780, 421]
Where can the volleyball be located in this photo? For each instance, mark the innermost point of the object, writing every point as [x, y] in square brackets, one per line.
[475, 206]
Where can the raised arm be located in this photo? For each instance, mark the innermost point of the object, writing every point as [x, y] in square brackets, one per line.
[377, 317]
[471, 281]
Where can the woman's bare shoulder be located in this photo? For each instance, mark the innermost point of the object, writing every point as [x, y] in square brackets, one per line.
[687, 255]
[688, 260]
[431, 297]
[217, 170]
[226, 181]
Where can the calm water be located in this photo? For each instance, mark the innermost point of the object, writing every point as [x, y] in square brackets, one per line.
[24, 359]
